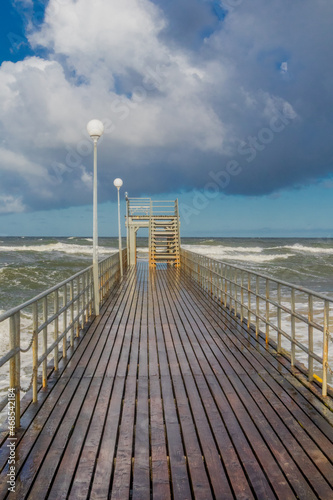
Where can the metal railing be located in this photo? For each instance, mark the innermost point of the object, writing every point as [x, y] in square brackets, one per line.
[138, 207]
[56, 317]
[141, 207]
[163, 208]
[270, 305]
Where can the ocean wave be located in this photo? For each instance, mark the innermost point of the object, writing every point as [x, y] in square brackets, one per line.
[57, 247]
[256, 258]
[216, 250]
[4, 333]
[302, 248]
[223, 253]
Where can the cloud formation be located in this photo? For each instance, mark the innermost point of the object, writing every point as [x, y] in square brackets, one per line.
[180, 96]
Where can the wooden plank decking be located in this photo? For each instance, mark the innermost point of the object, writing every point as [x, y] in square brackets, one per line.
[167, 396]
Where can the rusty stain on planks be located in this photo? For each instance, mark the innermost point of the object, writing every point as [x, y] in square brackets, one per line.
[168, 396]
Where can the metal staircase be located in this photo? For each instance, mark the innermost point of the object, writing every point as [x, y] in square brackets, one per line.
[164, 238]
[162, 220]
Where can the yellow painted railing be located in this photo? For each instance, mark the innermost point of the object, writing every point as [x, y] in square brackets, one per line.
[295, 316]
[56, 317]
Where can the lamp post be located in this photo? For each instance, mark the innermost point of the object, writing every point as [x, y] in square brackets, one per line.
[95, 130]
[118, 183]
[127, 241]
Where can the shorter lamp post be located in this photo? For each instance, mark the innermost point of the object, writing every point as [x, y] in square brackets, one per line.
[95, 130]
[118, 183]
[127, 222]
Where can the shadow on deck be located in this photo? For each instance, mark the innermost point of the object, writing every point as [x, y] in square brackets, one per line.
[169, 396]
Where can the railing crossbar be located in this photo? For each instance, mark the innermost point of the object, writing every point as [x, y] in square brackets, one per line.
[70, 301]
[236, 288]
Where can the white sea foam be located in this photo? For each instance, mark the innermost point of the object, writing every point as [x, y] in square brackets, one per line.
[243, 254]
[4, 334]
[297, 247]
[57, 247]
[217, 249]
[257, 258]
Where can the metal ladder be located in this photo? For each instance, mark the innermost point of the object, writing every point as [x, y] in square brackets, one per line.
[164, 237]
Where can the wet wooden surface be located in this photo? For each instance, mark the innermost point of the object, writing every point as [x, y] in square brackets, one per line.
[168, 396]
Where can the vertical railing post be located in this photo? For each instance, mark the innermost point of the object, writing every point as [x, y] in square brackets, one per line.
[78, 303]
[225, 286]
[64, 339]
[236, 291]
[18, 369]
[249, 299]
[325, 347]
[310, 340]
[71, 299]
[205, 273]
[279, 319]
[267, 310]
[14, 364]
[242, 296]
[101, 290]
[85, 300]
[45, 314]
[109, 274]
[56, 328]
[293, 328]
[91, 292]
[35, 352]
[257, 305]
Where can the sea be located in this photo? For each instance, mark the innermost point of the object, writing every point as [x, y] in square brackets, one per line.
[28, 266]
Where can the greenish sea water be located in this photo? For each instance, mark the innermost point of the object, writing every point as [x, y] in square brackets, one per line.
[28, 266]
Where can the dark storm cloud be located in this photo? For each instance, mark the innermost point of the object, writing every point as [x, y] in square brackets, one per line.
[183, 88]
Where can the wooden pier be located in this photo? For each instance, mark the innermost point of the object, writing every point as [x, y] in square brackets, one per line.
[169, 396]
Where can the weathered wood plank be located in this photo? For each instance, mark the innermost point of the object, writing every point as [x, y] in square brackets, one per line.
[198, 424]
[170, 396]
[122, 474]
[178, 468]
[281, 419]
[310, 472]
[104, 469]
[228, 454]
[141, 468]
[270, 370]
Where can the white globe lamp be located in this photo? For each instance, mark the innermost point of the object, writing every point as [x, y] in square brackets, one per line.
[95, 129]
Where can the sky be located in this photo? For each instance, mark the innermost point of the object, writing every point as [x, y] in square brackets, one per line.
[226, 105]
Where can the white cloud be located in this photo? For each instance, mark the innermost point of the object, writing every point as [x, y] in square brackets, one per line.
[116, 35]
[284, 67]
[9, 205]
[19, 165]
[165, 105]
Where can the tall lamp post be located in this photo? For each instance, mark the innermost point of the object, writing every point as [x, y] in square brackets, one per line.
[95, 130]
[118, 183]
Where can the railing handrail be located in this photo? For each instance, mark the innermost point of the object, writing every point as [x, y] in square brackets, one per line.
[61, 310]
[146, 207]
[29, 302]
[226, 282]
[266, 276]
